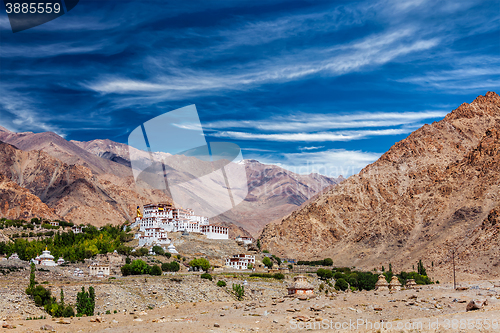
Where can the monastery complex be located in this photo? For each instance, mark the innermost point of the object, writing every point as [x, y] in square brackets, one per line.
[160, 219]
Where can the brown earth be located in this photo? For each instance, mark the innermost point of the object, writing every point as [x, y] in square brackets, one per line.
[186, 303]
[429, 194]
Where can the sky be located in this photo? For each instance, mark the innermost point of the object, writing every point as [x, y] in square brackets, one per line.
[313, 86]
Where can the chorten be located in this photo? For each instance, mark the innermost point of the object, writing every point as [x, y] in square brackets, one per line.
[410, 284]
[381, 283]
[171, 249]
[46, 259]
[395, 285]
[300, 286]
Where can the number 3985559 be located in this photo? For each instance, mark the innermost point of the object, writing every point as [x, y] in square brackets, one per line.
[33, 8]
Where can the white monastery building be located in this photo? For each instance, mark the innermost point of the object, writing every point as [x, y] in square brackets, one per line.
[159, 219]
[240, 261]
[98, 270]
[245, 240]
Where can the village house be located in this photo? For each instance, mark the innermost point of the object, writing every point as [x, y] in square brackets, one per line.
[76, 229]
[54, 224]
[99, 270]
[240, 261]
[245, 240]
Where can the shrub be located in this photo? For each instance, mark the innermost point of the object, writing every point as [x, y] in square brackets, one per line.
[128, 261]
[206, 276]
[221, 283]
[155, 270]
[277, 276]
[202, 263]
[267, 262]
[324, 274]
[170, 267]
[341, 284]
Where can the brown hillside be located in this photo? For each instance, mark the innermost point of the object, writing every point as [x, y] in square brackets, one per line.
[422, 198]
[73, 191]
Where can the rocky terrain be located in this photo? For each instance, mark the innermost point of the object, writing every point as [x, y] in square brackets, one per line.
[184, 302]
[54, 189]
[434, 192]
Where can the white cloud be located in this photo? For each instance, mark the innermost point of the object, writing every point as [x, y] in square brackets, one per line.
[331, 163]
[376, 49]
[314, 122]
[47, 50]
[312, 137]
[24, 112]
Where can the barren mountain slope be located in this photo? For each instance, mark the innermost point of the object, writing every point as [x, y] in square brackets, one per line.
[72, 190]
[421, 198]
[18, 202]
[273, 193]
[64, 151]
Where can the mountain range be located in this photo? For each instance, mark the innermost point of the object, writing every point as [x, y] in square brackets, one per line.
[434, 193]
[44, 175]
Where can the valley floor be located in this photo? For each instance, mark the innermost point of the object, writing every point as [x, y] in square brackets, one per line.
[186, 303]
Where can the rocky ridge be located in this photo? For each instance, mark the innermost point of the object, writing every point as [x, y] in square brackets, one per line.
[421, 199]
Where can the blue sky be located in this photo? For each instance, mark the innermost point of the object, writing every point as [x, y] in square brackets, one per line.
[311, 85]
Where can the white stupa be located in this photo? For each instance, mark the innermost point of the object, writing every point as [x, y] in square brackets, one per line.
[46, 259]
[171, 249]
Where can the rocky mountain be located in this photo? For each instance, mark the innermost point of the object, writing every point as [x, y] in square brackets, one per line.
[73, 192]
[273, 191]
[91, 182]
[435, 191]
[18, 202]
[63, 150]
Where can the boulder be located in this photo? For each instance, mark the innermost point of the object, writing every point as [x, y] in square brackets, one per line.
[475, 305]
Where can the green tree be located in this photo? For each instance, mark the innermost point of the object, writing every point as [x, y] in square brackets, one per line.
[202, 263]
[324, 274]
[420, 268]
[327, 262]
[341, 284]
[140, 267]
[85, 302]
[158, 250]
[31, 285]
[170, 267]
[239, 291]
[155, 270]
[267, 262]
[258, 244]
[221, 283]
[62, 297]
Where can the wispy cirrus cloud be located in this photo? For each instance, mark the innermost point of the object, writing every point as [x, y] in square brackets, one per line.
[374, 50]
[312, 137]
[314, 122]
[331, 162]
